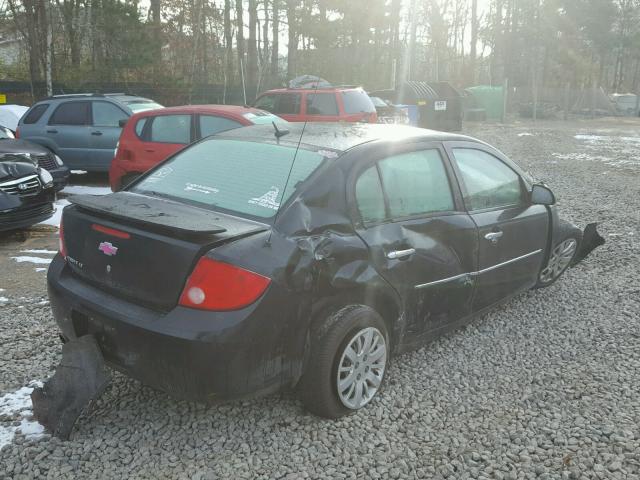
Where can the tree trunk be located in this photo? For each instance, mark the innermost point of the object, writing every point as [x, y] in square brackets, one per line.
[252, 48]
[292, 47]
[275, 43]
[156, 22]
[228, 43]
[240, 36]
[474, 42]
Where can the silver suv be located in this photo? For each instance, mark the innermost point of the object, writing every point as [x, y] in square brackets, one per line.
[82, 129]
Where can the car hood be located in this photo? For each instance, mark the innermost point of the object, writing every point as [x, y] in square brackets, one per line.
[11, 170]
[10, 145]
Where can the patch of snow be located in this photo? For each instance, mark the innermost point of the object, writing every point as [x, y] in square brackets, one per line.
[78, 172]
[83, 189]
[57, 215]
[19, 403]
[46, 252]
[38, 260]
[4, 299]
[1, 289]
[40, 269]
[43, 302]
[525, 134]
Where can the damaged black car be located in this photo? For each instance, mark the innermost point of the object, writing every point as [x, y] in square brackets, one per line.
[26, 195]
[260, 259]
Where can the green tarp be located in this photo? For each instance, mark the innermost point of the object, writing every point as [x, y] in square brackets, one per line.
[489, 98]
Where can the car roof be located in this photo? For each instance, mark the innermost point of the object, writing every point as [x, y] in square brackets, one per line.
[228, 109]
[312, 90]
[341, 136]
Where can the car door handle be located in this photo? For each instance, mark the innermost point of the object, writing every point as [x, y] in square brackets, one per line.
[398, 254]
[493, 237]
[52, 131]
[96, 132]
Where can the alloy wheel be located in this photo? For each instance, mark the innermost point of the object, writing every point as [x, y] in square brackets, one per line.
[361, 368]
[559, 260]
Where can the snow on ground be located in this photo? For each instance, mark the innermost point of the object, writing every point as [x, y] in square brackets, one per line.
[79, 172]
[4, 299]
[38, 260]
[40, 269]
[46, 252]
[83, 189]
[57, 215]
[18, 404]
[622, 150]
[525, 134]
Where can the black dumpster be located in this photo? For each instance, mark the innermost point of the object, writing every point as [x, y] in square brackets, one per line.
[436, 105]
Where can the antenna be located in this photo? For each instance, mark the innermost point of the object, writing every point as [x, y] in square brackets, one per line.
[295, 155]
[279, 133]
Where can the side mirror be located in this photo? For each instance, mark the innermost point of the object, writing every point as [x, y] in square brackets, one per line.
[542, 195]
[123, 122]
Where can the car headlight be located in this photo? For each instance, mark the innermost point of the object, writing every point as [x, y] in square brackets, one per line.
[45, 177]
[58, 160]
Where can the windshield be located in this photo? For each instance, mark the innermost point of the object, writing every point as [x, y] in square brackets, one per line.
[242, 177]
[260, 117]
[143, 106]
[356, 101]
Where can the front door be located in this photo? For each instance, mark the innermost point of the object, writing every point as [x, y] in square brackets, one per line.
[419, 238]
[105, 131]
[68, 128]
[512, 232]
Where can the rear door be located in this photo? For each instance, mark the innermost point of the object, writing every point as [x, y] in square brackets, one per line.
[410, 214]
[207, 125]
[68, 127]
[512, 232]
[105, 131]
[161, 136]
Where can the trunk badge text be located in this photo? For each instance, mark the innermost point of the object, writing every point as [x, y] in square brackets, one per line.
[108, 249]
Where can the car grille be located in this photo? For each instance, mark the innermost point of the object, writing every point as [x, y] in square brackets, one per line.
[46, 161]
[26, 213]
[23, 186]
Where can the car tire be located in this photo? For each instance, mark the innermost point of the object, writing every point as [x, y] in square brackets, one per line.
[561, 256]
[350, 341]
[127, 179]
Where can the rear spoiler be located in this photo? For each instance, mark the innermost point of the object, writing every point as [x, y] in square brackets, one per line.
[157, 212]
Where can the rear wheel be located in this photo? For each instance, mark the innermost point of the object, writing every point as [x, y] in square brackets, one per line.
[347, 364]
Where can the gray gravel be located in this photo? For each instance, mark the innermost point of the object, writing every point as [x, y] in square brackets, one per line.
[546, 386]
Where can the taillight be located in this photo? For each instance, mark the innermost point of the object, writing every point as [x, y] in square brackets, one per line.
[17, 135]
[220, 286]
[62, 248]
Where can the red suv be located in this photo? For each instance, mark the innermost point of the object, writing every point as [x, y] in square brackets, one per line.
[150, 137]
[334, 104]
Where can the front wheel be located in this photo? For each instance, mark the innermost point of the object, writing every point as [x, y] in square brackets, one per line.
[561, 257]
[348, 361]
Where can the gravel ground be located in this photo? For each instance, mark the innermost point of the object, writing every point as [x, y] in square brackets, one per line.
[546, 386]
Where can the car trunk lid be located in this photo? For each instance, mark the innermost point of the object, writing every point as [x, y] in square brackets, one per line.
[143, 248]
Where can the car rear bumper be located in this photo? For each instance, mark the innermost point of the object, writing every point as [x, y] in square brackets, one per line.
[189, 354]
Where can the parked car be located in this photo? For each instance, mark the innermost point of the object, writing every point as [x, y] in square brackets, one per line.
[12, 149]
[150, 137]
[81, 129]
[390, 113]
[325, 104]
[10, 115]
[26, 194]
[229, 270]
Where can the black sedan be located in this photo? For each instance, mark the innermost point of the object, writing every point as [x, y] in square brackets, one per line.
[14, 150]
[26, 195]
[256, 260]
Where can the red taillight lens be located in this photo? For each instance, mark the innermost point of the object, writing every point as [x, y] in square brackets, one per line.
[62, 248]
[111, 231]
[17, 132]
[219, 286]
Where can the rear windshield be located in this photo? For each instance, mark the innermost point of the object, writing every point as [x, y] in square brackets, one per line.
[242, 177]
[356, 101]
[142, 106]
[258, 117]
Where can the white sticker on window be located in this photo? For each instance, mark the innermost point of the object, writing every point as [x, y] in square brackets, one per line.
[194, 187]
[328, 153]
[268, 200]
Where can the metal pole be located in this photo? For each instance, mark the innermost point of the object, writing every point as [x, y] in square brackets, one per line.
[244, 90]
[505, 98]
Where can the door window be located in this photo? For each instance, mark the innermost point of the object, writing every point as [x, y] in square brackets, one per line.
[416, 183]
[357, 101]
[288, 103]
[489, 183]
[107, 115]
[35, 113]
[322, 104]
[210, 125]
[171, 129]
[369, 196]
[267, 102]
[71, 113]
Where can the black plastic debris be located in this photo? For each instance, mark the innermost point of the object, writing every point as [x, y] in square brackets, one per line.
[79, 380]
[591, 240]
